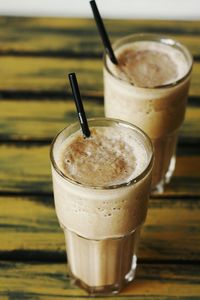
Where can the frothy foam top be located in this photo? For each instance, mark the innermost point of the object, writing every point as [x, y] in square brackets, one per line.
[149, 64]
[111, 156]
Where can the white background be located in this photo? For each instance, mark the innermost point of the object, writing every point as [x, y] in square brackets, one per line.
[138, 9]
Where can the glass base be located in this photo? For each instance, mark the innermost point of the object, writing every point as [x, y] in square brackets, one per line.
[159, 188]
[107, 289]
[171, 169]
[102, 266]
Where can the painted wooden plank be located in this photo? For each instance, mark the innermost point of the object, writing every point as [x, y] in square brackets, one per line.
[190, 129]
[50, 74]
[38, 74]
[42, 119]
[51, 281]
[29, 226]
[26, 168]
[79, 36]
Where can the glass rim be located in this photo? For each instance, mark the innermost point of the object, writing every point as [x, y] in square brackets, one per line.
[161, 39]
[132, 181]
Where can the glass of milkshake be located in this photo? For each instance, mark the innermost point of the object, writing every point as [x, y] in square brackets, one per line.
[149, 88]
[101, 187]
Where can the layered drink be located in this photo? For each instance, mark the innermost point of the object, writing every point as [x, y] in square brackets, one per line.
[149, 87]
[101, 187]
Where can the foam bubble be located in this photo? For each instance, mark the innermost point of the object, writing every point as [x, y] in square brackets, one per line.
[111, 156]
[149, 64]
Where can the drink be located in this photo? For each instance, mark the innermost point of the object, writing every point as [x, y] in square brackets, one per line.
[149, 88]
[101, 187]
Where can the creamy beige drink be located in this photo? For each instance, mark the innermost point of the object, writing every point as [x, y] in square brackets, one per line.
[149, 88]
[101, 187]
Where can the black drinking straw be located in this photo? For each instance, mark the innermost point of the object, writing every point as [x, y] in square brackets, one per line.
[79, 105]
[103, 33]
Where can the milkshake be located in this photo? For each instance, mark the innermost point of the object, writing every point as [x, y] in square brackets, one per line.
[101, 186]
[149, 88]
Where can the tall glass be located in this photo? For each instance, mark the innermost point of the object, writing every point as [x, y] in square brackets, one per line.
[159, 110]
[101, 224]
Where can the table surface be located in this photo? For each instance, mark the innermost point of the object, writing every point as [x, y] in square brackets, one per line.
[35, 103]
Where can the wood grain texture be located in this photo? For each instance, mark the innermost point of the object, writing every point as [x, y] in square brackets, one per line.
[51, 281]
[79, 37]
[26, 169]
[41, 119]
[50, 74]
[29, 224]
[43, 74]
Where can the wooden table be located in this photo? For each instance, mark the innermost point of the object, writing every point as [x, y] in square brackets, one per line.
[35, 56]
